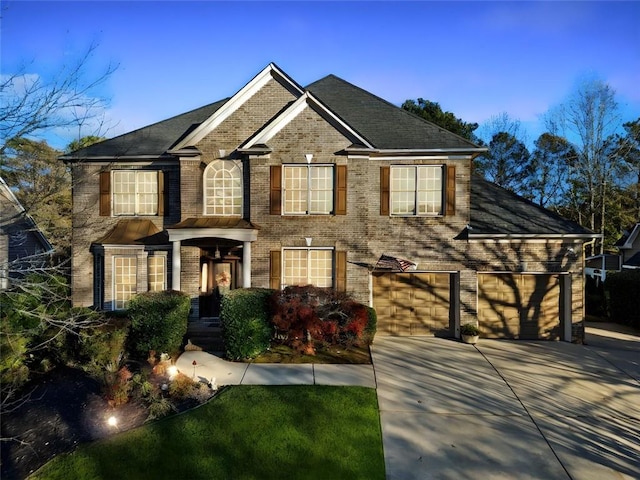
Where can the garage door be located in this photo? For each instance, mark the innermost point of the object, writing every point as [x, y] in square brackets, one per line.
[524, 306]
[412, 303]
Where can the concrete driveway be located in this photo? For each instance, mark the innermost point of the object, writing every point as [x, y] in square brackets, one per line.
[509, 409]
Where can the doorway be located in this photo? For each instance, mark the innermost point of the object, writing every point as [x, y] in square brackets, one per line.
[218, 275]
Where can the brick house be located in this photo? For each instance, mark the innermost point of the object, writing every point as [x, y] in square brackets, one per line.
[23, 246]
[326, 185]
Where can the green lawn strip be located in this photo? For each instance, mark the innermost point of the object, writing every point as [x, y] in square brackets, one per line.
[245, 432]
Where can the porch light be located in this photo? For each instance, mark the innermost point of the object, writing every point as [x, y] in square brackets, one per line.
[308, 240]
[217, 253]
[309, 157]
[221, 153]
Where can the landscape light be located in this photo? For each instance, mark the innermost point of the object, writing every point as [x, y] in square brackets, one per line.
[112, 421]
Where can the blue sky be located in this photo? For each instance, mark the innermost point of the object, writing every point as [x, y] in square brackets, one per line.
[477, 59]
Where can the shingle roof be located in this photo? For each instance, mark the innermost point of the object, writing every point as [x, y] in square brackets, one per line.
[153, 139]
[496, 211]
[383, 124]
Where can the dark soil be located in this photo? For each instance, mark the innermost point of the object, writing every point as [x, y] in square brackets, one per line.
[64, 410]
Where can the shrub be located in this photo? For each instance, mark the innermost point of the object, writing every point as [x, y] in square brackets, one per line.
[245, 322]
[158, 321]
[99, 346]
[372, 325]
[306, 315]
[117, 384]
[622, 295]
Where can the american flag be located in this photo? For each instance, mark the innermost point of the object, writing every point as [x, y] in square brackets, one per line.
[387, 262]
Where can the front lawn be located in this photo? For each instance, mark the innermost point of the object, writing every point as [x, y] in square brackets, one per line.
[245, 432]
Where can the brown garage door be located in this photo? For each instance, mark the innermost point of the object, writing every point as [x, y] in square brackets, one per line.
[513, 305]
[412, 303]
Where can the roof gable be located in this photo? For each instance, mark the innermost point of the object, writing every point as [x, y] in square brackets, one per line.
[307, 100]
[235, 102]
[17, 217]
[627, 241]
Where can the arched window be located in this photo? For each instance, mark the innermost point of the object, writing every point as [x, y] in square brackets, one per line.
[223, 188]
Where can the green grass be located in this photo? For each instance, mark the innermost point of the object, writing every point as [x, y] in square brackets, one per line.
[245, 432]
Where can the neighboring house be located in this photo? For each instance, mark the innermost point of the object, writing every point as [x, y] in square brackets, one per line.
[326, 185]
[22, 244]
[629, 246]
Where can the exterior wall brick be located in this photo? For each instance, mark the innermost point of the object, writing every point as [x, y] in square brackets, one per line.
[436, 243]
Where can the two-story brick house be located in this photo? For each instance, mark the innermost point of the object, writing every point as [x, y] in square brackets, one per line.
[326, 185]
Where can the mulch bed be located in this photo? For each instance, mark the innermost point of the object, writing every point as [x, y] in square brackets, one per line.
[65, 409]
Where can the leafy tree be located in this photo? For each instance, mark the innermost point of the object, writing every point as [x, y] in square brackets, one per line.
[83, 143]
[507, 163]
[629, 150]
[433, 112]
[42, 185]
[548, 169]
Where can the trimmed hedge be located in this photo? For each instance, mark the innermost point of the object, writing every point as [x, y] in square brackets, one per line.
[245, 322]
[622, 296]
[158, 321]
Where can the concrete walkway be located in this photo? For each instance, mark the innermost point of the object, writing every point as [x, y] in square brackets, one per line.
[211, 369]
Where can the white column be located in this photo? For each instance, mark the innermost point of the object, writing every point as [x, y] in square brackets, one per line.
[246, 264]
[175, 265]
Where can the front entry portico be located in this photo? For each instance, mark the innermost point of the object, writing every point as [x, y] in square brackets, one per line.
[208, 256]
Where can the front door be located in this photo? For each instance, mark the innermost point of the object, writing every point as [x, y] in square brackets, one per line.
[217, 277]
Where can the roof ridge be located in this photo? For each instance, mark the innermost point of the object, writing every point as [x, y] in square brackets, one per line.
[399, 108]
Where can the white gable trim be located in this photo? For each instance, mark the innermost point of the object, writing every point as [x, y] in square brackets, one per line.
[306, 100]
[245, 93]
[632, 237]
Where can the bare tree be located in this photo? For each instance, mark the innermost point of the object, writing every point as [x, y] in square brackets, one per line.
[35, 309]
[31, 105]
[589, 119]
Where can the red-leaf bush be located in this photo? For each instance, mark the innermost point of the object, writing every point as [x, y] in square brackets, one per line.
[305, 316]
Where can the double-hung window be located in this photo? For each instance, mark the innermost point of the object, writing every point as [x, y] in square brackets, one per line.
[156, 271]
[416, 190]
[135, 192]
[307, 266]
[223, 188]
[125, 270]
[308, 189]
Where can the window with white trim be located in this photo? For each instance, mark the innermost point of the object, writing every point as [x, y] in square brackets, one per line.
[307, 266]
[125, 270]
[156, 271]
[416, 189]
[308, 189]
[135, 192]
[223, 188]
